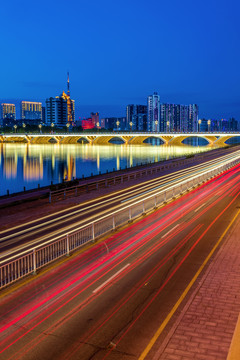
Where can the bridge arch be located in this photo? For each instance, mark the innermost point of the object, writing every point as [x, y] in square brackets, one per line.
[140, 140]
[106, 140]
[179, 140]
[224, 140]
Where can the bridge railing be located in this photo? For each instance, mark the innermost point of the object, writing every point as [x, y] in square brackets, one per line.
[17, 266]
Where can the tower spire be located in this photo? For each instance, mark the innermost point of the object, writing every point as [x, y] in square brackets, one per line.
[68, 85]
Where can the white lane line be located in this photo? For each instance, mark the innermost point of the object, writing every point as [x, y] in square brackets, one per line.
[170, 230]
[199, 207]
[112, 277]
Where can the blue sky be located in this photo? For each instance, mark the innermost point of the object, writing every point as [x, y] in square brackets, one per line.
[119, 52]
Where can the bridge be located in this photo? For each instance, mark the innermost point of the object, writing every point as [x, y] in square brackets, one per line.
[131, 138]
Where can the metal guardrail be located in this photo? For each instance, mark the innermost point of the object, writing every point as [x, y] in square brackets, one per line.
[76, 190]
[29, 261]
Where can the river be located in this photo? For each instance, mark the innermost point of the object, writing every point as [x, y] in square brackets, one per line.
[30, 166]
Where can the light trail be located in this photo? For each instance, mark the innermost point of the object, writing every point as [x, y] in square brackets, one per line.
[4, 254]
[169, 278]
[145, 280]
[134, 244]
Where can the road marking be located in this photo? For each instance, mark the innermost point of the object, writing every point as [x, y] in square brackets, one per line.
[171, 313]
[199, 207]
[112, 277]
[170, 231]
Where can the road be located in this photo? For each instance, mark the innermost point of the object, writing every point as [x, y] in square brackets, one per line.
[35, 232]
[108, 301]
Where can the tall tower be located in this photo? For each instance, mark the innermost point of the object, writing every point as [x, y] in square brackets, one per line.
[68, 85]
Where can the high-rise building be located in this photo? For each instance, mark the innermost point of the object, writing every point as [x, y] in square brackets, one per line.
[179, 118]
[95, 119]
[233, 124]
[167, 117]
[60, 110]
[57, 111]
[8, 112]
[153, 112]
[31, 111]
[193, 117]
[136, 117]
[129, 116]
[43, 114]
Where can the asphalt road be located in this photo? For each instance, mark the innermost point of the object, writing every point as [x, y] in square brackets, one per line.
[108, 301]
[37, 231]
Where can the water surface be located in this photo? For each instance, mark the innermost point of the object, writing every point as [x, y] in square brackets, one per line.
[31, 165]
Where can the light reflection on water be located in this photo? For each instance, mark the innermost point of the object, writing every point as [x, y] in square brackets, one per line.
[29, 165]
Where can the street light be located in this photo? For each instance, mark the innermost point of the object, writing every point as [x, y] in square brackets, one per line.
[67, 125]
[117, 123]
[131, 124]
[40, 128]
[52, 126]
[168, 123]
[199, 123]
[209, 125]
[156, 124]
[24, 125]
[98, 125]
[15, 127]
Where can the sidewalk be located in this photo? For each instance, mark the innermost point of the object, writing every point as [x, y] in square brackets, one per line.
[208, 324]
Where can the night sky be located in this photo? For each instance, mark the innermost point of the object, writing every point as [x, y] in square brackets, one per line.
[119, 52]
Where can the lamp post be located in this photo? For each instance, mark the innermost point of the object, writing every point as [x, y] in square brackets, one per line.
[209, 125]
[131, 124]
[168, 123]
[52, 126]
[15, 128]
[67, 125]
[199, 123]
[40, 128]
[98, 124]
[156, 124]
[117, 123]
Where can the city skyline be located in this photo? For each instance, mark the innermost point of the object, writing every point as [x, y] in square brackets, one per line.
[121, 53]
[83, 111]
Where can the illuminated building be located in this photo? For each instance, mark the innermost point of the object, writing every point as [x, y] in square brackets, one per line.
[175, 117]
[130, 113]
[87, 124]
[8, 113]
[233, 125]
[114, 123]
[95, 119]
[193, 117]
[61, 109]
[43, 114]
[136, 117]
[167, 117]
[31, 112]
[153, 112]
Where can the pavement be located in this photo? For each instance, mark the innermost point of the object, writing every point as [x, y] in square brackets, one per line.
[208, 327]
